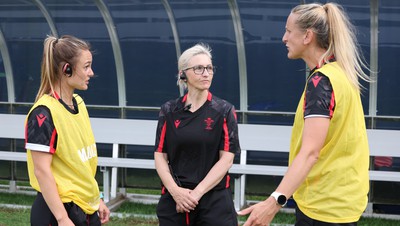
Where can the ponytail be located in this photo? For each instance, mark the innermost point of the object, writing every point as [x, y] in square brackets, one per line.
[57, 52]
[326, 21]
[48, 74]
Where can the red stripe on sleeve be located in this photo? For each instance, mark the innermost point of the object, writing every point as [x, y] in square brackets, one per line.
[52, 141]
[162, 138]
[226, 136]
[332, 104]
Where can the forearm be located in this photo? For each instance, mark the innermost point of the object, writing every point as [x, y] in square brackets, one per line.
[50, 194]
[163, 171]
[314, 135]
[216, 174]
[296, 174]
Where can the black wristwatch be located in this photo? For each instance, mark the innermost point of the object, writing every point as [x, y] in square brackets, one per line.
[279, 198]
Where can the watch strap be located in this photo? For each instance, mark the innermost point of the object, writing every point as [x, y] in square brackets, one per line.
[280, 198]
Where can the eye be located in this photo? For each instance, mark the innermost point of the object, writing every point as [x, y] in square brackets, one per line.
[198, 68]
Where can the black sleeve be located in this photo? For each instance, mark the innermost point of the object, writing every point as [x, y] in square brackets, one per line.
[319, 98]
[41, 134]
[230, 135]
[160, 143]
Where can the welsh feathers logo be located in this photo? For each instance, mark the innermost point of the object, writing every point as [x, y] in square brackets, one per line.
[208, 123]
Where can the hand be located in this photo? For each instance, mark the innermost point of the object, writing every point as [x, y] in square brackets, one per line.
[184, 201]
[261, 214]
[195, 195]
[104, 212]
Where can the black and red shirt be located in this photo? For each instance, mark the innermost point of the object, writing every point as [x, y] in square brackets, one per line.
[319, 96]
[41, 133]
[192, 140]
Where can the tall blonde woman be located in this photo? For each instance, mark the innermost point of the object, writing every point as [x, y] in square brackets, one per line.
[61, 149]
[329, 155]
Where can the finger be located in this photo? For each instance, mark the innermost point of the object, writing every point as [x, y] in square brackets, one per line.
[249, 222]
[187, 208]
[107, 216]
[245, 211]
[192, 200]
[190, 206]
[102, 216]
[105, 220]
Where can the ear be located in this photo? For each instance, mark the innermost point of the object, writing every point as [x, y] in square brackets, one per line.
[308, 36]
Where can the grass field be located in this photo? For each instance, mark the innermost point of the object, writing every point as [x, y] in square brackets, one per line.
[130, 213]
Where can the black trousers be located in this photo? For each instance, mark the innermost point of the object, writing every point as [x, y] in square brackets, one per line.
[303, 220]
[214, 208]
[42, 216]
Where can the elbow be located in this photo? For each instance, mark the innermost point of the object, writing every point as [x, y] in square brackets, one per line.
[40, 173]
[229, 162]
[313, 157]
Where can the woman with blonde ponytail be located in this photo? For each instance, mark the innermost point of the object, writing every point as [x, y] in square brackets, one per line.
[61, 149]
[329, 154]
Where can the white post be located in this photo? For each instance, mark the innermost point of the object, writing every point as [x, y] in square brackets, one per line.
[106, 183]
[114, 171]
[243, 161]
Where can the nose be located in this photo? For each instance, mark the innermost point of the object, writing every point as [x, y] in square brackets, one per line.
[284, 39]
[205, 71]
[91, 74]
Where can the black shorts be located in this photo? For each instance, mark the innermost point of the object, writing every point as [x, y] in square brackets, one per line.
[303, 220]
[42, 216]
[214, 208]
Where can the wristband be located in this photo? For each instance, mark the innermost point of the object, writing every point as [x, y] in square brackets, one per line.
[101, 195]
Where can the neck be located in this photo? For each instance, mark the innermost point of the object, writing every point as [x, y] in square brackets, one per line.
[196, 99]
[65, 94]
[313, 57]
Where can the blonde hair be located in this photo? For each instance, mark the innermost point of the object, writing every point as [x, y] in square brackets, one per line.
[56, 53]
[337, 35]
[200, 48]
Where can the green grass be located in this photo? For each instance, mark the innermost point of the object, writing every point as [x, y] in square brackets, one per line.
[14, 217]
[20, 217]
[137, 208]
[20, 199]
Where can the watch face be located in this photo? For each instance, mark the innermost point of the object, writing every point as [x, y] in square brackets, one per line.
[281, 200]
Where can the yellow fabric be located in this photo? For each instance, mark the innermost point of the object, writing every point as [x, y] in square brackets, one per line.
[336, 188]
[74, 163]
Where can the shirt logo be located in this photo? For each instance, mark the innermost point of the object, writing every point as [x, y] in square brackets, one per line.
[177, 122]
[316, 79]
[40, 118]
[208, 122]
[88, 152]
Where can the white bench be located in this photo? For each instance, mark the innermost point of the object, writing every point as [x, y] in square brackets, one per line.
[252, 137]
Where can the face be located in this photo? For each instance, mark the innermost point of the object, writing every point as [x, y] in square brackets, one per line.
[294, 38]
[82, 71]
[197, 81]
